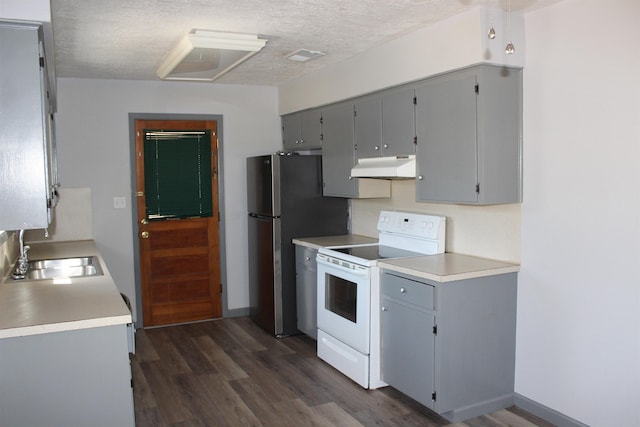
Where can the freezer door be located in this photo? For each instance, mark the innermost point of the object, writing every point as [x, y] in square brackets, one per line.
[265, 275]
[263, 186]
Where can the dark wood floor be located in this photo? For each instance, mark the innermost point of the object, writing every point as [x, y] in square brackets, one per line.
[230, 373]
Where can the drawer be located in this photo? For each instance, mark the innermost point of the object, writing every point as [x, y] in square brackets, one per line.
[410, 291]
[306, 258]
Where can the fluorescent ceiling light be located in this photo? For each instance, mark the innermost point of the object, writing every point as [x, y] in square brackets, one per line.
[304, 55]
[207, 55]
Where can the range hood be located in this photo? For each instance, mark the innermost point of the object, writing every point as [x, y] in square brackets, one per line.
[397, 167]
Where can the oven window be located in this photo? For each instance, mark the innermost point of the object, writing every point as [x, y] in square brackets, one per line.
[340, 297]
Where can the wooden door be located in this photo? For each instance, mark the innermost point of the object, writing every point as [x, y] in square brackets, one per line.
[180, 258]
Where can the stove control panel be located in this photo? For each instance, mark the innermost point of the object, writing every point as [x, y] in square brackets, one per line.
[412, 224]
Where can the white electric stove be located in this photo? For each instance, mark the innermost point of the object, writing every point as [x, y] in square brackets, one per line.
[349, 291]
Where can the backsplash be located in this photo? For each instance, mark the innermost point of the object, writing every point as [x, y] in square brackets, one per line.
[8, 252]
[484, 231]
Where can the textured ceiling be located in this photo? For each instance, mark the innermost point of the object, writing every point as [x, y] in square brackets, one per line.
[128, 39]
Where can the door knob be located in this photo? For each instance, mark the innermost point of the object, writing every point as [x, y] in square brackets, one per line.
[145, 234]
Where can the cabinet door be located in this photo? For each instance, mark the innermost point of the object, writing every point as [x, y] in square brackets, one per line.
[23, 135]
[368, 127]
[310, 129]
[306, 290]
[408, 349]
[291, 131]
[338, 155]
[447, 145]
[398, 123]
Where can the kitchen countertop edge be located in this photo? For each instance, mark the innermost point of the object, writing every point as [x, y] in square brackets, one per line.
[68, 313]
[449, 267]
[330, 241]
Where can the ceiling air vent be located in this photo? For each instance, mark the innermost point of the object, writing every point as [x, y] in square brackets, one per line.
[304, 55]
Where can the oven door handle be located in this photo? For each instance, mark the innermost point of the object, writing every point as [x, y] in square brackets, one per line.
[362, 271]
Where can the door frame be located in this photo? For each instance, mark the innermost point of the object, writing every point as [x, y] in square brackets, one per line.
[139, 323]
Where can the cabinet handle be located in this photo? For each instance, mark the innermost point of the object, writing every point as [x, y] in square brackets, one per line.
[376, 148]
[385, 146]
[301, 141]
[297, 141]
[145, 234]
[384, 308]
[420, 177]
[307, 259]
[403, 291]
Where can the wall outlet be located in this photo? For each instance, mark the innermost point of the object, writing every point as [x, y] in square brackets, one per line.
[119, 202]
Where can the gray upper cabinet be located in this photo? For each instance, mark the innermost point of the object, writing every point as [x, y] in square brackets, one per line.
[398, 122]
[338, 154]
[469, 127]
[339, 157]
[28, 168]
[368, 127]
[302, 130]
[385, 124]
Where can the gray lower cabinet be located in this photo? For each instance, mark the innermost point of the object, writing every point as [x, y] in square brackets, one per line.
[469, 130]
[302, 130]
[70, 378]
[306, 290]
[451, 345]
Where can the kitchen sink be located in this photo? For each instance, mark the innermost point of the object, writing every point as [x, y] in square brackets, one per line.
[62, 268]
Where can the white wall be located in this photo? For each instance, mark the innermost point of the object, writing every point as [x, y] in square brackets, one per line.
[579, 288]
[94, 152]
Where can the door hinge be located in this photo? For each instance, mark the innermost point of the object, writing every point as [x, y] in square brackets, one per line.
[415, 140]
[477, 188]
[477, 88]
[131, 382]
[435, 329]
[415, 100]
[321, 121]
[321, 137]
[433, 396]
[41, 62]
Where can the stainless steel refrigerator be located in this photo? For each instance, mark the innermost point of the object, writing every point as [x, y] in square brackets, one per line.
[285, 201]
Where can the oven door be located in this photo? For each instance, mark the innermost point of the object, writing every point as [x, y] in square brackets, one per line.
[344, 303]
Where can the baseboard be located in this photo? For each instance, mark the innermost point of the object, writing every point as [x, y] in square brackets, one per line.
[238, 312]
[481, 408]
[547, 414]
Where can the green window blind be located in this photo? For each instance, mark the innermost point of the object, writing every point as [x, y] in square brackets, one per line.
[177, 174]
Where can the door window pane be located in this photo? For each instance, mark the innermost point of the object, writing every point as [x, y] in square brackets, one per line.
[177, 174]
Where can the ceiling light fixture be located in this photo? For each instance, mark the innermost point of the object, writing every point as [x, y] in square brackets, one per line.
[510, 48]
[207, 55]
[304, 55]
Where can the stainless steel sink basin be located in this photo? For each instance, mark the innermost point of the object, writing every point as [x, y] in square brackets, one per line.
[62, 263]
[56, 273]
[63, 268]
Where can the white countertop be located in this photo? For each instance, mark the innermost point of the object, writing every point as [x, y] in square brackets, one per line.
[325, 241]
[448, 267]
[30, 307]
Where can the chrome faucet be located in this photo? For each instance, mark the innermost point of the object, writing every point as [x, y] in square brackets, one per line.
[23, 260]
